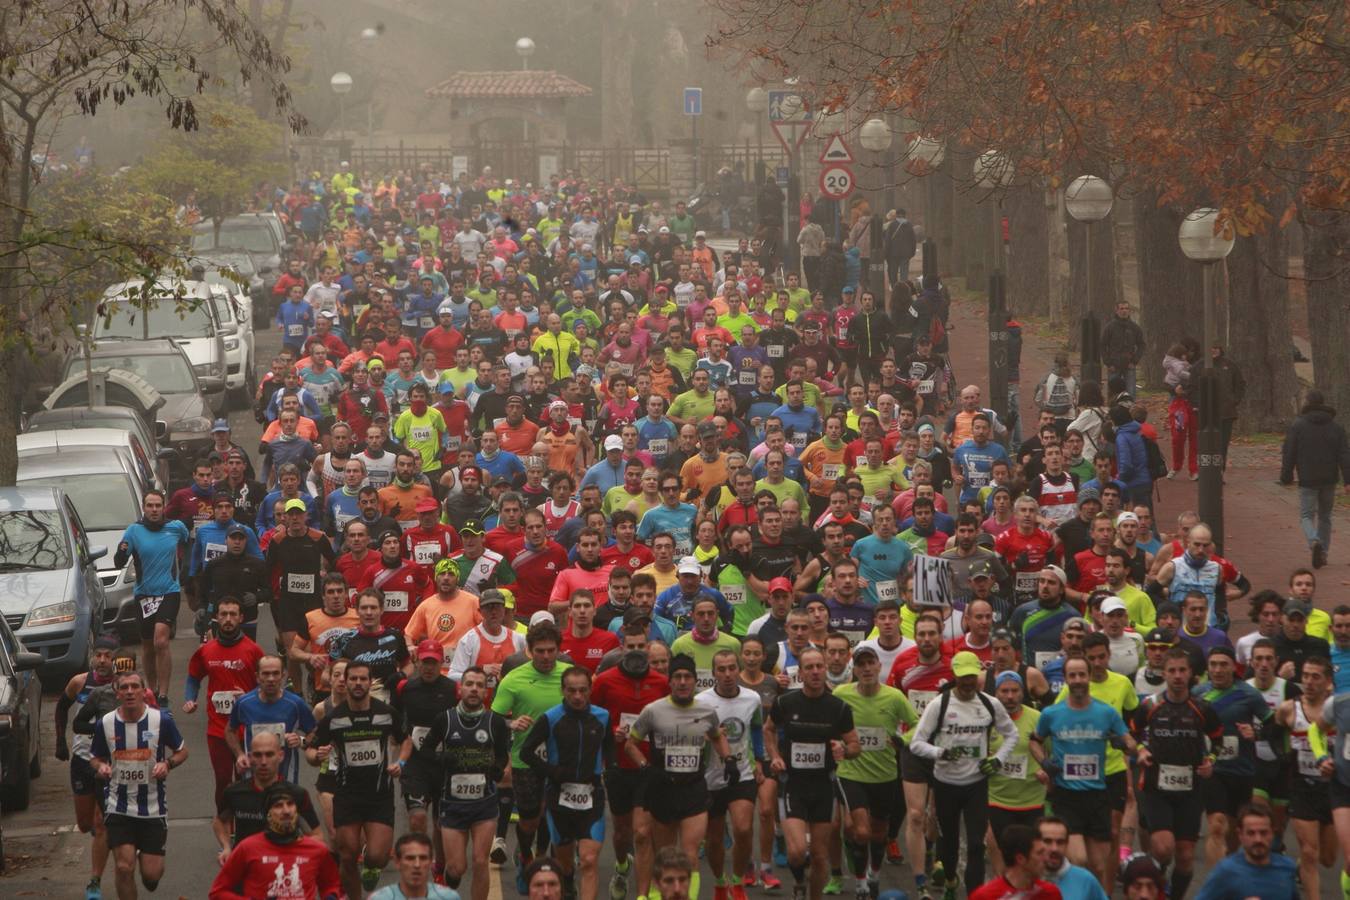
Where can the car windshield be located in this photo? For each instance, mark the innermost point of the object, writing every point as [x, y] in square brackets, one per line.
[235, 234]
[104, 501]
[168, 318]
[33, 539]
[168, 374]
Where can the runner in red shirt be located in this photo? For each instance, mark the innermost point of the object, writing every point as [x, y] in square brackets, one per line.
[456, 414]
[626, 551]
[1024, 864]
[230, 663]
[589, 572]
[403, 582]
[509, 536]
[537, 565]
[978, 621]
[279, 861]
[443, 340]
[430, 540]
[359, 558]
[623, 691]
[1026, 548]
[583, 643]
[1087, 568]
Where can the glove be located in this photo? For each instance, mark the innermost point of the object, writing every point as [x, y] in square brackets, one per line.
[201, 622]
[990, 766]
[1051, 768]
[949, 754]
[731, 769]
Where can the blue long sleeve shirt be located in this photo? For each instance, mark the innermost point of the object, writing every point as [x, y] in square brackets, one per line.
[210, 543]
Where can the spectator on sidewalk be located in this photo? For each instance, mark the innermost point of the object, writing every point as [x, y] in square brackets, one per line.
[1316, 447]
[1122, 346]
[1231, 389]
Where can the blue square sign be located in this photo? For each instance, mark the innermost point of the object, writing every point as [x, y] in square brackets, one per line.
[693, 101]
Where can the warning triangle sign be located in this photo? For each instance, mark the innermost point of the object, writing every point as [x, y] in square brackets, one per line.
[836, 151]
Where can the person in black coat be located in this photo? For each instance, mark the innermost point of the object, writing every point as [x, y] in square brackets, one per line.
[1316, 447]
[899, 244]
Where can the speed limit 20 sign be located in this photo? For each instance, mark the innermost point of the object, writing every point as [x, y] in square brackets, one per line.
[836, 182]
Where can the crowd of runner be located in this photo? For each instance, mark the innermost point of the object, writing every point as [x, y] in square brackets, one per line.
[575, 530]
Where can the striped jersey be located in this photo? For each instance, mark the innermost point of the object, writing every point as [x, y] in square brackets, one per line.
[133, 749]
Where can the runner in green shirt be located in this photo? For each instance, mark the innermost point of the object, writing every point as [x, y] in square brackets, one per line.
[702, 642]
[731, 581]
[1016, 795]
[421, 429]
[867, 782]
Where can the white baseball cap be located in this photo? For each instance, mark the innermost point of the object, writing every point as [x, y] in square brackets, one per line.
[1113, 604]
[542, 615]
[1127, 517]
[689, 566]
[613, 442]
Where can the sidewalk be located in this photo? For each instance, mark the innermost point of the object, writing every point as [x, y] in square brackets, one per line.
[1261, 518]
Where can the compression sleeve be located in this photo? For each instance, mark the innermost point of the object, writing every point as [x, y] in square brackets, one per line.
[757, 739]
[191, 689]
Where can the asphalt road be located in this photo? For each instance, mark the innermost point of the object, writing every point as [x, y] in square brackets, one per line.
[47, 857]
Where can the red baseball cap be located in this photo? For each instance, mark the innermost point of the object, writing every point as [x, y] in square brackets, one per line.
[427, 504]
[780, 584]
[430, 649]
[753, 284]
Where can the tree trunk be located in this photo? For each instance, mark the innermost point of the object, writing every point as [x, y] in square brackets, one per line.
[1029, 262]
[944, 219]
[1171, 296]
[1258, 290]
[12, 171]
[1326, 266]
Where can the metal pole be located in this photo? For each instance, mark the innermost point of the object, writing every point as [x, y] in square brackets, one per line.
[342, 115]
[998, 346]
[930, 261]
[1089, 367]
[1211, 444]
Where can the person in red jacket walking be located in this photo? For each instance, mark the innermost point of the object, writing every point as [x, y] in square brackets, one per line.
[1183, 423]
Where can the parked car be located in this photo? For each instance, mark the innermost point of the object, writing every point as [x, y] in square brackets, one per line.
[106, 489]
[155, 379]
[261, 235]
[245, 267]
[125, 445]
[184, 313]
[20, 720]
[141, 431]
[50, 593]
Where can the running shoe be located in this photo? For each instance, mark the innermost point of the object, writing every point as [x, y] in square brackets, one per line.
[498, 854]
[798, 891]
[370, 878]
[93, 890]
[737, 892]
[769, 882]
[834, 886]
[937, 881]
[860, 891]
[779, 851]
[618, 883]
[749, 879]
[721, 892]
[522, 886]
[893, 854]
[874, 886]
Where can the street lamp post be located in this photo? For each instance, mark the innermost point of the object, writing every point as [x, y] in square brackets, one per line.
[995, 172]
[757, 101]
[925, 155]
[1088, 199]
[341, 83]
[1202, 243]
[875, 136]
[524, 49]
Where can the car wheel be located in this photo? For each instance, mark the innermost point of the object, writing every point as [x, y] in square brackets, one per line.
[17, 796]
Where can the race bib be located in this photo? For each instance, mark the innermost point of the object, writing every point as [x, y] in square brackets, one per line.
[703, 680]
[924, 387]
[1015, 767]
[1043, 658]
[420, 433]
[1025, 582]
[888, 590]
[150, 605]
[775, 351]
[799, 440]
[747, 377]
[859, 462]
[1307, 764]
[274, 728]
[425, 322]
[576, 796]
[1081, 766]
[299, 584]
[808, 756]
[920, 699]
[626, 721]
[362, 753]
[832, 471]
[453, 443]
[223, 702]
[658, 446]
[133, 768]
[295, 330]
[424, 554]
[735, 593]
[1175, 778]
[419, 736]
[683, 760]
[1228, 749]
[793, 674]
[871, 739]
[466, 786]
[497, 421]
[396, 601]
[211, 551]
